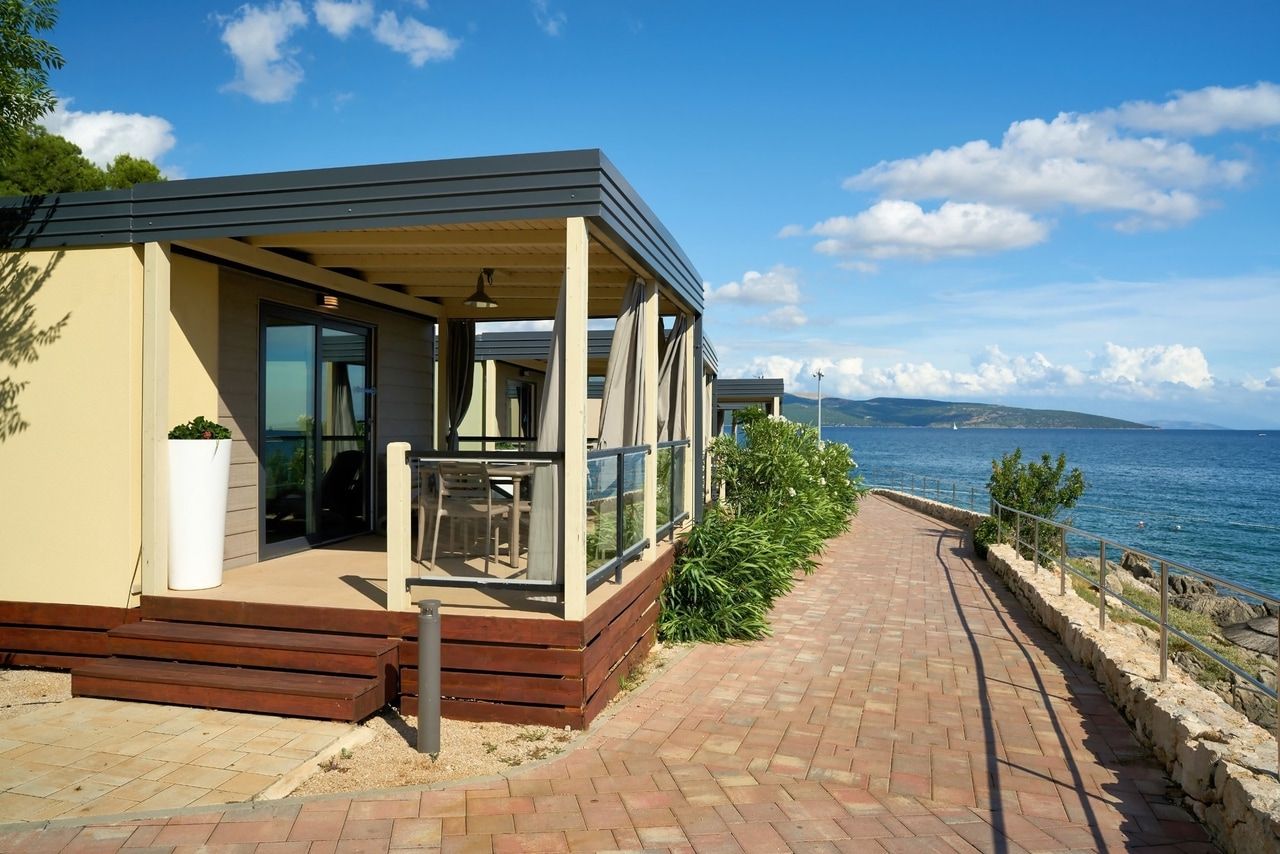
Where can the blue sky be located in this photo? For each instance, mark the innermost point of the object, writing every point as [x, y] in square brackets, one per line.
[1075, 207]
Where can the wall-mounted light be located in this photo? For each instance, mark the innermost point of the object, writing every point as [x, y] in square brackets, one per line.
[480, 299]
[327, 301]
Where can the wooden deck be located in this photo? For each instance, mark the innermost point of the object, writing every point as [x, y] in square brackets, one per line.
[505, 657]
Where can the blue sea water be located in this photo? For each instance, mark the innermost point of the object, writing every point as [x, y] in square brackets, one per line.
[1207, 498]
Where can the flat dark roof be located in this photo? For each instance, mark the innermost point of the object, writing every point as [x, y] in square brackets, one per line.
[752, 388]
[513, 187]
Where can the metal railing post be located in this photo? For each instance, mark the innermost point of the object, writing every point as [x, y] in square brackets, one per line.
[1017, 532]
[953, 494]
[429, 677]
[1164, 621]
[971, 504]
[619, 535]
[1062, 562]
[913, 484]
[1037, 543]
[1102, 584]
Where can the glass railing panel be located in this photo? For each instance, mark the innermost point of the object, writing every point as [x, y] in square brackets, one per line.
[633, 499]
[602, 510]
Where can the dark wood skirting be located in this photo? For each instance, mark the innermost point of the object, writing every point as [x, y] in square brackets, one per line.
[56, 636]
[509, 669]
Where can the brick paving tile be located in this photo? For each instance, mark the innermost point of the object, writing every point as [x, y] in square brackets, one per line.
[905, 702]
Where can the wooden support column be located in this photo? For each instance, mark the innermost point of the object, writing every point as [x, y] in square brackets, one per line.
[573, 419]
[399, 530]
[442, 381]
[155, 415]
[649, 322]
[697, 472]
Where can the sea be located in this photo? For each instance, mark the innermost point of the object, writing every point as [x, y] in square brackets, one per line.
[1209, 499]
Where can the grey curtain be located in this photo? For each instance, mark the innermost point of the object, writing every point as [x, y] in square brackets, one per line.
[462, 366]
[544, 522]
[622, 409]
[673, 417]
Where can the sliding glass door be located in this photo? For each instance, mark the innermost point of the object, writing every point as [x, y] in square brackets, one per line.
[316, 430]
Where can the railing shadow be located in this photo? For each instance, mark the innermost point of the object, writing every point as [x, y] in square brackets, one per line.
[1016, 624]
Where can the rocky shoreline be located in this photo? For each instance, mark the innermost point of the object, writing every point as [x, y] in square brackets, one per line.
[1248, 627]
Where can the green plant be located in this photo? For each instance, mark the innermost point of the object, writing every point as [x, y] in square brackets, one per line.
[785, 495]
[1042, 489]
[200, 428]
[986, 534]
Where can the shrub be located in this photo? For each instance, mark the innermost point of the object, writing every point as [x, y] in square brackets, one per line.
[985, 535]
[1038, 489]
[785, 495]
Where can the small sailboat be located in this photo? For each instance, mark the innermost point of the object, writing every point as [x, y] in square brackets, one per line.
[953, 426]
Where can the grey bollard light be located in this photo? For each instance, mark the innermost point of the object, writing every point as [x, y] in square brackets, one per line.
[429, 677]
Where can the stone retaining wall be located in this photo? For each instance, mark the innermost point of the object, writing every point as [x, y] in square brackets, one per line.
[950, 514]
[1224, 764]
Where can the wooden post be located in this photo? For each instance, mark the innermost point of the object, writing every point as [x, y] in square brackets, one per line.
[399, 530]
[155, 415]
[574, 419]
[649, 322]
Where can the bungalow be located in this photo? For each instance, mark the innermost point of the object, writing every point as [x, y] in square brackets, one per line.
[327, 318]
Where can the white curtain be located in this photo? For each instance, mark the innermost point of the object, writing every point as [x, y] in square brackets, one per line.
[673, 415]
[544, 522]
[622, 409]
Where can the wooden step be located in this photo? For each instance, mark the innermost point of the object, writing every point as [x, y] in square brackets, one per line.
[347, 698]
[266, 648]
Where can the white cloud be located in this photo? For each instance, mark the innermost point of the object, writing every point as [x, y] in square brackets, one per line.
[257, 37]
[341, 18]
[1073, 161]
[787, 316]
[1135, 372]
[895, 228]
[1147, 366]
[778, 285]
[105, 134]
[1269, 383]
[1204, 112]
[551, 23]
[416, 40]
[792, 231]
[866, 267]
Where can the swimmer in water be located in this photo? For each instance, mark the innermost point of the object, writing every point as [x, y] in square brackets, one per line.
[1141, 524]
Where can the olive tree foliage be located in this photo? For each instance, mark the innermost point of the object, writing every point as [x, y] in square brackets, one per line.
[1041, 488]
[25, 62]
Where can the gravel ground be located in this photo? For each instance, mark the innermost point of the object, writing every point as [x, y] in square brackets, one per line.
[389, 760]
[24, 690]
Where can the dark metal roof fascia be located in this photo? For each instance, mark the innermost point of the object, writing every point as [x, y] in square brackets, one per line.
[709, 358]
[534, 344]
[627, 216]
[756, 387]
[549, 185]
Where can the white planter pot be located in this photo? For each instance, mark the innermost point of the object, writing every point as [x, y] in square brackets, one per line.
[199, 470]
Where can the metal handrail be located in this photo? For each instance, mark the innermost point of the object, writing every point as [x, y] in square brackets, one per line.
[1061, 559]
[918, 485]
[597, 453]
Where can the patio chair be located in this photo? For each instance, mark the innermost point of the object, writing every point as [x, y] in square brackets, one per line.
[462, 494]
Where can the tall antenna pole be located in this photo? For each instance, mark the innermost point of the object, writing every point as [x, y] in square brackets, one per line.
[818, 373]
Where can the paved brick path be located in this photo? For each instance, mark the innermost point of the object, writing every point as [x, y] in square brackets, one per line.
[905, 703]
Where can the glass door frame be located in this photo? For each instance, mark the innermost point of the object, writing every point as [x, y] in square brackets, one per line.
[268, 311]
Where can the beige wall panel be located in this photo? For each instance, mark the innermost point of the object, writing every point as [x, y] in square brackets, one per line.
[70, 500]
[193, 340]
[403, 371]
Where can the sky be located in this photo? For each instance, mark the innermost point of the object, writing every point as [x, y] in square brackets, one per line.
[1070, 206]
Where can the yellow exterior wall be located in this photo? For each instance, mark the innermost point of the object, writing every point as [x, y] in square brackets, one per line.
[193, 341]
[70, 484]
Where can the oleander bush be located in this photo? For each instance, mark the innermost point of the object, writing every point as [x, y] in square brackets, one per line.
[786, 494]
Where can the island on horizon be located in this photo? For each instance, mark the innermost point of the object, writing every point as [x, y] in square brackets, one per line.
[910, 412]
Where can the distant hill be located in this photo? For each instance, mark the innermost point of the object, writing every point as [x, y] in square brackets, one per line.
[906, 412]
[1186, 425]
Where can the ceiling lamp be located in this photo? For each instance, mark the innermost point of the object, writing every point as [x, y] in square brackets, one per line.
[480, 299]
